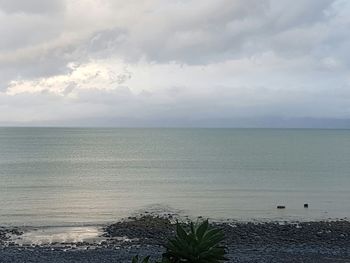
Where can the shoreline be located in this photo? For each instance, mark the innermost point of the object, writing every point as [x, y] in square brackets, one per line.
[313, 241]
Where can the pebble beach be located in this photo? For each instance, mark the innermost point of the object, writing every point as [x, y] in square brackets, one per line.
[318, 241]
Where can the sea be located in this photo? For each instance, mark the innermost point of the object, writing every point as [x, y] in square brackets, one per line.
[73, 177]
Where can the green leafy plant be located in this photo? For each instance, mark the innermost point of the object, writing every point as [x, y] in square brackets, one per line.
[199, 245]
[136, 259]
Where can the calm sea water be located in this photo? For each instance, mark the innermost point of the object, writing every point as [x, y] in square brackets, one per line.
[74, 176]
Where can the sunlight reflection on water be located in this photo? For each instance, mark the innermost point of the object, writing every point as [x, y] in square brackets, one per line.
[49, 235]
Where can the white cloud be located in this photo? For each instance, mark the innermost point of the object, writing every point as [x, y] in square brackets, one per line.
[93, 75]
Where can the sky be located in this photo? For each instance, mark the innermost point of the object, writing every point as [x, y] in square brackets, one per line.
[175, 63]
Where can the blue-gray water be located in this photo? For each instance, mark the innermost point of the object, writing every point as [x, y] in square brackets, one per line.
[70, 176]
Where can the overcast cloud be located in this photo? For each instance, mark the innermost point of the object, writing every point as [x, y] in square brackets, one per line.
[239, 63]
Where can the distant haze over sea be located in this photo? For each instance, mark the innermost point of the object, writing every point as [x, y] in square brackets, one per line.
[266, 122]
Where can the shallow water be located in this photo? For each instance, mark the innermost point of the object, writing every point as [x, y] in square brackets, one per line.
[82, 176]
[59, 235]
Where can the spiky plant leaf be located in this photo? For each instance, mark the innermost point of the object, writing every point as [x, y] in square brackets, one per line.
[146, 259]
[199, 245]
[136, 259]
[201, 229]
[181, 233]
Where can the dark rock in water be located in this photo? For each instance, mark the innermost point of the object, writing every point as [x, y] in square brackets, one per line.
[281, 207]
[306, 205]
